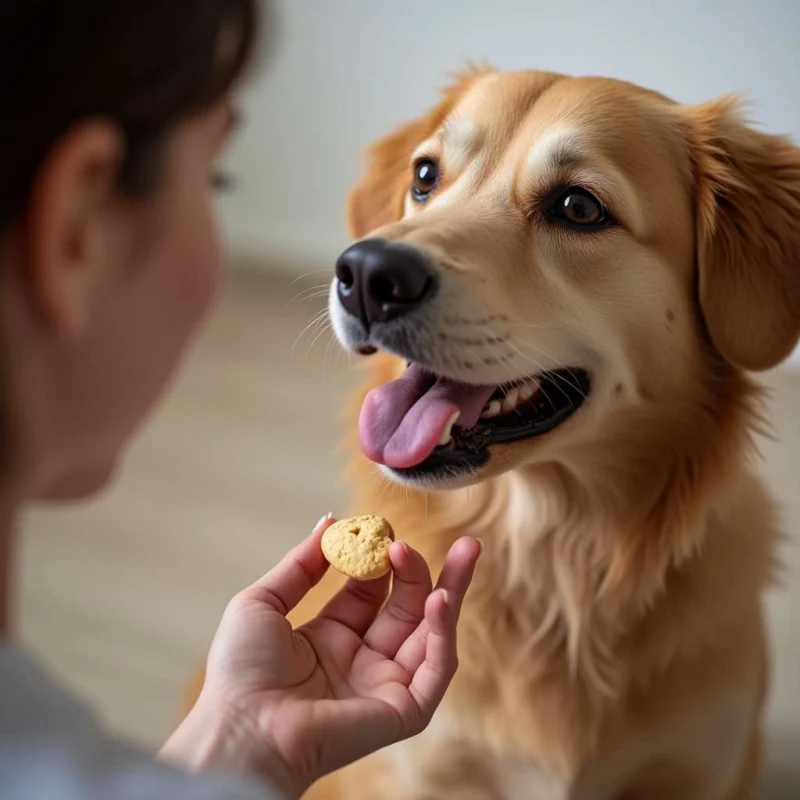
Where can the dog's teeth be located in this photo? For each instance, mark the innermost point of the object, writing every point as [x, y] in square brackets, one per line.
[447, 433]
[528, 390]
[511, 400]
[491, 409]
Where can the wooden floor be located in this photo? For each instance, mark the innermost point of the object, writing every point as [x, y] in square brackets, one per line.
[120, 598]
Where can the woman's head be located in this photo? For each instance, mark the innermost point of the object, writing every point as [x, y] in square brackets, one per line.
[113, 116]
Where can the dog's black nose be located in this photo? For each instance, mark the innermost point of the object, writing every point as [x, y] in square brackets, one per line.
[378, 281]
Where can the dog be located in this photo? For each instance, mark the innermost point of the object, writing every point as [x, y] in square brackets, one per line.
[563, 285]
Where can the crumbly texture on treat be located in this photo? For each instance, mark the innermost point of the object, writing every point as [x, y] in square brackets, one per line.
[359, 547]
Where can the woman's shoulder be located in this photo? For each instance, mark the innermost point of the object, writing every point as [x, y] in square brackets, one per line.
[32, 703]
[51, 745]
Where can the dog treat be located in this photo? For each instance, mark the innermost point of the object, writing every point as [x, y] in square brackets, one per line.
[359, 547]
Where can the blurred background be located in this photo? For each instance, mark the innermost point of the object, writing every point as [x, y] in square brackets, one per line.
[120, 598]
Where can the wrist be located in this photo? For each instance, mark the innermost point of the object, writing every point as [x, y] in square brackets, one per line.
[211, 739]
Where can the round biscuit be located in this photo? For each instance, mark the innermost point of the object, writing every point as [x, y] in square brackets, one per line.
[359, 547]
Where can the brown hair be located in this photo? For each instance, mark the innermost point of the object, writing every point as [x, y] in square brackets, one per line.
[143, 64]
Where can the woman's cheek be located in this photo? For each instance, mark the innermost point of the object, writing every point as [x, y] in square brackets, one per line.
[199, 266]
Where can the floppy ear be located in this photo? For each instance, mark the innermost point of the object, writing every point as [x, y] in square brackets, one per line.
[748, 235]
[378, 198]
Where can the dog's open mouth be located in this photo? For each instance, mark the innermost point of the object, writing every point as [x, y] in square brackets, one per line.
[422, 425]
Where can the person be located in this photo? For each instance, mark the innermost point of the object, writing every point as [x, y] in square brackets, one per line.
[114, 113]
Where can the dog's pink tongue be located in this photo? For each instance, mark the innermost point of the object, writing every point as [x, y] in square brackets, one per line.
[402, 422]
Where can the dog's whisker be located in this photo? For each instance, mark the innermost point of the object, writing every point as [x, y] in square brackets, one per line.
[309, 293]
[546, 356]
[539, 367]
[316, 320]
[308, 275]
[384, 483]
[325, 327]
[572, 384]
[331, 343]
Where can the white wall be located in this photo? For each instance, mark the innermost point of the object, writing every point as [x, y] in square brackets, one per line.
[345, 71]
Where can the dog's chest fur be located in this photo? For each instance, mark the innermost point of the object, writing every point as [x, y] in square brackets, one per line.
[541, 709]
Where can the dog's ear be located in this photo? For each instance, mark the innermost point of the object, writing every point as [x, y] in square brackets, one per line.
[379, 197]
[747, 201]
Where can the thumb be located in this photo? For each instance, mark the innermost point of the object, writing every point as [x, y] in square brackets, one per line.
[302, 568]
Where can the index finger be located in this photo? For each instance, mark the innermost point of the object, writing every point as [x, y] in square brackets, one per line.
[302, 568]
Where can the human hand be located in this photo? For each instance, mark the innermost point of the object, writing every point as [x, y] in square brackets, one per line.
[296, 704]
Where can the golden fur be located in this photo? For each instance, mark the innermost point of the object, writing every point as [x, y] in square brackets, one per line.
[612, 645]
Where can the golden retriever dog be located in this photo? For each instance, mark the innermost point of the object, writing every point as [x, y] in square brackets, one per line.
[563, 284]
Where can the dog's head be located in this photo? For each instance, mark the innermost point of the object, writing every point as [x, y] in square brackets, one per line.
[545, 255]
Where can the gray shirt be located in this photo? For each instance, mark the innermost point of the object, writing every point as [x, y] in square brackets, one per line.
[51, 748]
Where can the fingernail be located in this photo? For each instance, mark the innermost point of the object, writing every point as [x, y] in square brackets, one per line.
[401, 547]
[480, 544]
[323, 520]
[446, 595]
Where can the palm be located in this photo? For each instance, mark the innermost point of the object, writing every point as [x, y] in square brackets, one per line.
[343, 681]
[347, 667]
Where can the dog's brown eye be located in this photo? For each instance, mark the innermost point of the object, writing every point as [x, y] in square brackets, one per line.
[582, 209]
[426, 177]
[578, 208]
